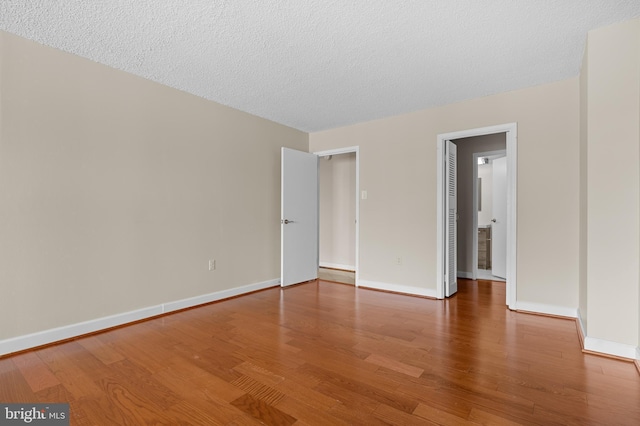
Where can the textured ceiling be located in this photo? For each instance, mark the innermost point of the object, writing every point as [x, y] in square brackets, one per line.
[319, 64]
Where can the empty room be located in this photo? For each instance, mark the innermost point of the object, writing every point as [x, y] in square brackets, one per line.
[163, 216]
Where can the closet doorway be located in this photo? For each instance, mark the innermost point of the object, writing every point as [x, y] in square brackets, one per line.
[338, 230]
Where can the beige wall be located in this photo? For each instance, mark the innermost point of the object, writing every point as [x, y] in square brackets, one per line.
[612, 78]
[338, 211]
[115, 191]
[398, 169]
[466, 147]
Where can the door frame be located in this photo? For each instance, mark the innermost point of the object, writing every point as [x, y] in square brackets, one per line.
[511, 130]
[348, 150]
[476, 201]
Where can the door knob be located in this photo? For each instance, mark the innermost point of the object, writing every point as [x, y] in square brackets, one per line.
[493, 220]
[286, 221]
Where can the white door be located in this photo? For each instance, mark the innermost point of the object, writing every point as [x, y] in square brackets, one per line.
[299, 217]
[499, 221]
[451, 221]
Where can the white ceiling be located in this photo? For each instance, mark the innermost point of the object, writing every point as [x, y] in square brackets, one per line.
[319, 64]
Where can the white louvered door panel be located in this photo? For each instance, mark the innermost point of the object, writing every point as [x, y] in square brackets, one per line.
[451, 226]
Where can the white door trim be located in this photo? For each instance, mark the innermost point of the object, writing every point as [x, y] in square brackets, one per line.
[511, 130]
[476, 201]
[348, 150]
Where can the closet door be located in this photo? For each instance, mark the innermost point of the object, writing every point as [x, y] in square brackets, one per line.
[451, 221]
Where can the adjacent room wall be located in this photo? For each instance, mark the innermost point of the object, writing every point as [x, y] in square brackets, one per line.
[116, 191]
[466, 147]
[398, 170]
[338, 211]
[485, 173]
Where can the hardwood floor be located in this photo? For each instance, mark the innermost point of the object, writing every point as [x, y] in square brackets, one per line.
[328, 354]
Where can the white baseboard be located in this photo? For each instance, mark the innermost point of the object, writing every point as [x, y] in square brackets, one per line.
[610, 348]
[607, 347]
[465, 274]
[398, 288]
[20, 343]
[40, 338]
[580, 323]
[337, 266]
[218, 295]
[541, 308]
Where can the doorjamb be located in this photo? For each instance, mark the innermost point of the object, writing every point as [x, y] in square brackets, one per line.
[476, 201]
[348, 150]
[511, 130]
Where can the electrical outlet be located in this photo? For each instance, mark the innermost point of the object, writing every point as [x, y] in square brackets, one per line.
[212, 265]
[398, 261]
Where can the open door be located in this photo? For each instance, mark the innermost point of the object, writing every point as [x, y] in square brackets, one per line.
[451, 221]
[299, 217]
[499, 221]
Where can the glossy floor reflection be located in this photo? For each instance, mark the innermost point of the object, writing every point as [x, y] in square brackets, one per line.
[325, 354]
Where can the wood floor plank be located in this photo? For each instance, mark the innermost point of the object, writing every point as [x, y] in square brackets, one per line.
[151, 351]
[307, 411]
[322, 353]
[392, 364]
[357, 416]
[103, 351]
[393, 416]
[484, 418]
[62, 360]
[394, 347]
[35, 372]
[140, 382]
[123, 405]
[218, 363]
[364, 389]
[14, 387]
[616, 404]
[262, 411]
[207, 394]
[190, 414]
[349, 399]
[297, 391]
[200, 384]
[59, 394]
[343, 344]
[478, 397]
[258, 390]
[441, 417]
[268, 358]
[258, 373]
